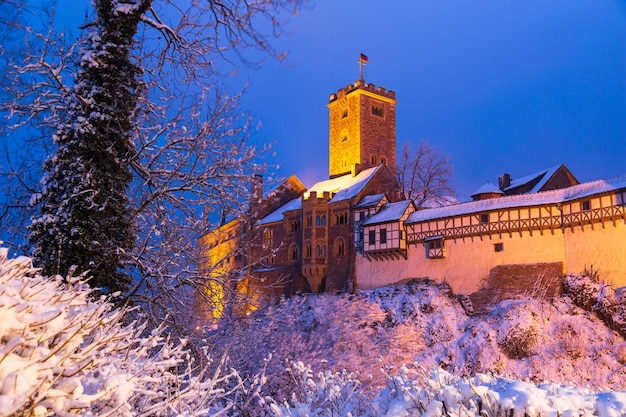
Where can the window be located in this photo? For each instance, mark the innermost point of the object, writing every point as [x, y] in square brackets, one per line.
[340, 247]
[372, 237]
[320, 251]
[585, 205]
[308, 250]
[344, 138]
[320, 220]
[498, 247]
[294, 226]
[435, 248]
[484, 218]
[341, 218]
[383, 235]
[293, 253]
[307, 221]
[373, 160]
[345, 113]
[378, 111]
[268, 235]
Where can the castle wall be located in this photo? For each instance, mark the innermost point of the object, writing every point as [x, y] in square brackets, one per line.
[580, 234]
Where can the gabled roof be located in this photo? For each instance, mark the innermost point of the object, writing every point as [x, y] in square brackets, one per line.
[389, 212]
[487, 188]
[542, 177]
[346, 186]
[277, 215]
[370, 201]
[522, 200]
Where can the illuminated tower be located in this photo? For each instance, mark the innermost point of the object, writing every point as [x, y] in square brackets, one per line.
[362, 128]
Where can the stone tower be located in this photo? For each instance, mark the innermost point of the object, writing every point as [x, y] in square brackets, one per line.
[362, 128]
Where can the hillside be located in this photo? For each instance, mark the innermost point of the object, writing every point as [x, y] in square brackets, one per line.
[423, 323]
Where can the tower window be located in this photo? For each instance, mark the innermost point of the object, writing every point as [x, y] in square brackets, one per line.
[344, 138]
[345, 113]
[378, 111]
[373, 160]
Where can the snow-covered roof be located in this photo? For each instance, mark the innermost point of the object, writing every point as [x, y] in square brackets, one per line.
[346, 186]
[439, 201]
[277, 215]
[370, 200]
[523, 200]
[545, 175]
[487, 188]
[389, 212]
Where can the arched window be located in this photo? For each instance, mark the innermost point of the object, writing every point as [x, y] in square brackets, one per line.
[339, 247]
[318, 220]
[294, 253]
[373, 160]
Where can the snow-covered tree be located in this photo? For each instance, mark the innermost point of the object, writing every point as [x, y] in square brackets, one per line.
[179, 148]
[424, 174]
[85, 221]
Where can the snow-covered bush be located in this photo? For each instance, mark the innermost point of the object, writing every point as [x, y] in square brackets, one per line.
[332, 394]
[590, 293]
[64, 353]
[415, 391]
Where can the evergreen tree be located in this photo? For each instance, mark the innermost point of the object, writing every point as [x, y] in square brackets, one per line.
[85, 219]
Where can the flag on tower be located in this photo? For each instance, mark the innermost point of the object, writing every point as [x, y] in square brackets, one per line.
[364, 58]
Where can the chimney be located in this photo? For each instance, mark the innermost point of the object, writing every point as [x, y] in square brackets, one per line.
[504, 180]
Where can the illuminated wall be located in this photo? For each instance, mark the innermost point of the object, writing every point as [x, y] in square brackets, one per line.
[580, 234]
[362, 128]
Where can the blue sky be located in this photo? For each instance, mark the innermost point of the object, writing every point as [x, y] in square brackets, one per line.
[499, 86]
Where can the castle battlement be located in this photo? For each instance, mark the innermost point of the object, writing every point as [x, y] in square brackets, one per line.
[362, 85]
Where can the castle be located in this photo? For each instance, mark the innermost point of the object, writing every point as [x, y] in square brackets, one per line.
[352, 231]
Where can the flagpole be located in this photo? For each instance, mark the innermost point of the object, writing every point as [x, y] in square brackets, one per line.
[363, 60]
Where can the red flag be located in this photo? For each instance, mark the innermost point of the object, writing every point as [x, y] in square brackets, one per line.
[364, 58]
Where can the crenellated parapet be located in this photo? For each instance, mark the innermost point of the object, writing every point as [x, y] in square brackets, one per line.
[362, 85]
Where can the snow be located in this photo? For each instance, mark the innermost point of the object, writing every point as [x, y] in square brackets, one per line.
[389, 212]
[344, 187]
[487, 188]
[538, 357]
[545, 176]
[277, 215]
[402, 350]
[523, 200]
[370, 201]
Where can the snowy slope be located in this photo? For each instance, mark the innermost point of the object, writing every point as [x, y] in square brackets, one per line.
[422, 323]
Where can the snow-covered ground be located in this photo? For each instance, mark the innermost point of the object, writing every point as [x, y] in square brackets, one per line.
[528, 354]
[398, 351]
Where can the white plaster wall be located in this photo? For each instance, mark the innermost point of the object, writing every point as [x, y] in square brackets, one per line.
[602, 247]
[467, 262]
